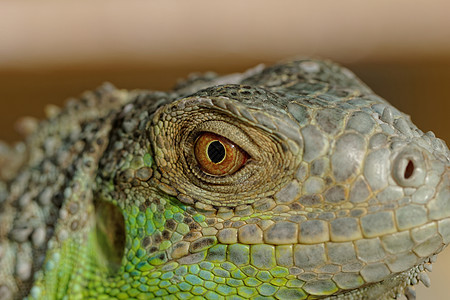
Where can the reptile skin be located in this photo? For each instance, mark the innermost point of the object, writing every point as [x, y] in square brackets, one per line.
[331, 193]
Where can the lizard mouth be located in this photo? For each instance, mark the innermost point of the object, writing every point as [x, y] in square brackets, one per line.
[395, 285]
[110, 235]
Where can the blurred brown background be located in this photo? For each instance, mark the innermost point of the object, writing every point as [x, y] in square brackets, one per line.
[51, 50]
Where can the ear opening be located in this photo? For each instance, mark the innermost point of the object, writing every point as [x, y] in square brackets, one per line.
[110, 235]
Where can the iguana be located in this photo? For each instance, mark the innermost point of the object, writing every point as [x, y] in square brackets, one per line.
[293, 181]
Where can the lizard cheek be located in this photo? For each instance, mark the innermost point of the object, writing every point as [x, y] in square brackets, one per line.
[218, 156]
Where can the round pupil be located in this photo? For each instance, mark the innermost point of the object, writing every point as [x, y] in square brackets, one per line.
[216, 152]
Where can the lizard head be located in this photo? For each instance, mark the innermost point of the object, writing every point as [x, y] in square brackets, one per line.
[304, 187]
[292, 182]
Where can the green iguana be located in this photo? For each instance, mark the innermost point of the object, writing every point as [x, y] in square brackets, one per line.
[294, 181]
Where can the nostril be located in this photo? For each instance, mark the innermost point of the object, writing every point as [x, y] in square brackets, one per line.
[409, 170]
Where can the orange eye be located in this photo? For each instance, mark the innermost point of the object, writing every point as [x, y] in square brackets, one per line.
[218, 155]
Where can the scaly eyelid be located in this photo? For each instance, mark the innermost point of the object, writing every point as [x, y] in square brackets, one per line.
[231, 132]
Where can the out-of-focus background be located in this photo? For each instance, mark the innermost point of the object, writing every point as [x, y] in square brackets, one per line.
[53, 50]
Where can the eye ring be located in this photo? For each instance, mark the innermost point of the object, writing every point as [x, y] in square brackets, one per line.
[217, 155]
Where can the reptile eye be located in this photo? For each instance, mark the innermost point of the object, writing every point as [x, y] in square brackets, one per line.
[217, 155]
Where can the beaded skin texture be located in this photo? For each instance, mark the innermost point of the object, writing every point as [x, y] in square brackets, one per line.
[318, 188]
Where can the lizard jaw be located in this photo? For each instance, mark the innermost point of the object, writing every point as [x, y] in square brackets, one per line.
[395, 286]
